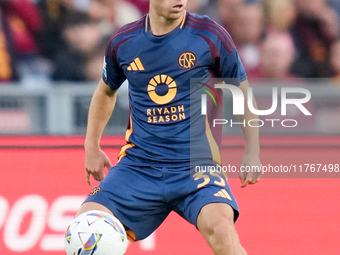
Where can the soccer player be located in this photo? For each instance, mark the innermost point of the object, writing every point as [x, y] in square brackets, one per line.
[158, 55]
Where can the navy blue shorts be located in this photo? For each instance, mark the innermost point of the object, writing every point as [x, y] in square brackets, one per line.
[141, 197]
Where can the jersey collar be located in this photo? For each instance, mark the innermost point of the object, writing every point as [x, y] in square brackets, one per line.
[147, 21]
[167, 36]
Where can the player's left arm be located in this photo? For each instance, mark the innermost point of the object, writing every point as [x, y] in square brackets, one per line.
[231, 67]
[251, 160]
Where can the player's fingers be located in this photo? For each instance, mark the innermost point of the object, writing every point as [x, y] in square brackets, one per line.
[88, 177]
[95, 176]
[101, 176]
[248, 181]
[253, 181]
[108, 164]
[256, 178]
[242, 176]
[98, 175]
[252, 178]
[245, 183]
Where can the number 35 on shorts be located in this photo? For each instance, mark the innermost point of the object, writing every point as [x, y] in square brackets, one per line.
[218, 178]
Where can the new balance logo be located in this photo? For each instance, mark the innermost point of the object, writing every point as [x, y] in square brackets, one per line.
[136, 65]
[223, 193]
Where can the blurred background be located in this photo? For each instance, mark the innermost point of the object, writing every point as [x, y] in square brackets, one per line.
[51, 58]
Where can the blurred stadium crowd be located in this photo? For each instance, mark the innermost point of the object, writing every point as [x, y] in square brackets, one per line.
[64, 40]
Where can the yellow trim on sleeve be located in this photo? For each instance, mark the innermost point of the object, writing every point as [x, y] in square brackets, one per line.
[215, 150]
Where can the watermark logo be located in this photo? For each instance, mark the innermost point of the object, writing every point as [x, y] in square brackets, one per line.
[204, 97]
[239, 104]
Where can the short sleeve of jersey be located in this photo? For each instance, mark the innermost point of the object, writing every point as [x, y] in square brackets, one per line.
[113, 75]
[231, 66]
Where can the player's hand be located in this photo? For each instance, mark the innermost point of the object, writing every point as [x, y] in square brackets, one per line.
[250, 170]
[95, 162]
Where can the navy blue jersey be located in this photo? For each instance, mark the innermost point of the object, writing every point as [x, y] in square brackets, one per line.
[159, 69]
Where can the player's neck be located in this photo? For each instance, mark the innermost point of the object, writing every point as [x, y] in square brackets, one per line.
[160, 25]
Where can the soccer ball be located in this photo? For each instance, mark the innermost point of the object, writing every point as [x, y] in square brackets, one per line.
[95, 233]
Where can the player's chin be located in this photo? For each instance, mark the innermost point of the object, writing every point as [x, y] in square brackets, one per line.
[174, 15]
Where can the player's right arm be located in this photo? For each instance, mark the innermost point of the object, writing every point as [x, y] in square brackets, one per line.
[101, 108]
